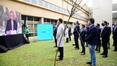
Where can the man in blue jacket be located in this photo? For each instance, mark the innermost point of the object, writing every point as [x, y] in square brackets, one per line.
[91, 40]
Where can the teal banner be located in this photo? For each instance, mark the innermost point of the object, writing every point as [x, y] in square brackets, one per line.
[44, 32]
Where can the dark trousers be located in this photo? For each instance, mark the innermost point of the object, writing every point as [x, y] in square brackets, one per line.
[61, 51]
[98, 46]
[83, 46]
[76, 41]
[27, 38]
[105, 47]
[55, 40]
[67, 40]
[115, 44]
[69, 37]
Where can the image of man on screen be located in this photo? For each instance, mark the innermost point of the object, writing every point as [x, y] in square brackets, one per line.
[11, 25]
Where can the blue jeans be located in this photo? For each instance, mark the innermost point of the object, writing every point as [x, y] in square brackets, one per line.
[92, 54]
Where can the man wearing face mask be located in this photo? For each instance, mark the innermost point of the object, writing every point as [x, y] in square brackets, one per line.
[105, 35]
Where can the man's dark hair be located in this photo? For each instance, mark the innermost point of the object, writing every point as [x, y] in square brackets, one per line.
[102, 24]
[108, 23]
[98, 24]
[60, 20]
[92, 20]
[105, 22]
[77, 22]
[83, 26]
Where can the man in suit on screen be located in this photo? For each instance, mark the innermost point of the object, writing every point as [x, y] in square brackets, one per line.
[11, 26]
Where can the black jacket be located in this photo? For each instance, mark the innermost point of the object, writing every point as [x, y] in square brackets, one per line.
[98, 34]
[76, 31]
[115, 34]
[105, 35]
[82, 34]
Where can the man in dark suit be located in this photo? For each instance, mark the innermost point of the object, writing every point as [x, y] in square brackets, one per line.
[76, 35]
[98, 46]
[115, 37]
[69, 33]
[109, 29]
[11, 26]
[105, 35]
[82, 39]
[54, 34]
[91, 39]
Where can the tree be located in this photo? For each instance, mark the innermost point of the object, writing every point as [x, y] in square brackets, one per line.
[71, 13]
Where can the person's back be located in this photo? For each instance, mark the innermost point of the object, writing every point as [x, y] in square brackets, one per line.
[98, 32]
[91, 35]
[105, 34]
[82, 34]
[55, 31]
[69, 31]
[76, 30]
[91, 40]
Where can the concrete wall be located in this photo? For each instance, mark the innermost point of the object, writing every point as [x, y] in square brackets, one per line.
[31, 10]
[102, 10]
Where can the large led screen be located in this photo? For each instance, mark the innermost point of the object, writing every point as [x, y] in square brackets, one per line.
[9, 21]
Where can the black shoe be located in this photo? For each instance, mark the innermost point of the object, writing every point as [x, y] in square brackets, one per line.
[96, 50]
[59, 59]
[108, 47]
[114, 50]
[55, 46]
[77, 48]
[59, 56]
[89, 63]
[104, 56]
[73, 44]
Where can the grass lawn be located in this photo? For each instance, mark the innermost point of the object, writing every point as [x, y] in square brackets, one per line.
[42, 53]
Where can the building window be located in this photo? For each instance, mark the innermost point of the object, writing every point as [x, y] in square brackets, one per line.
[31, 23]
[30, 18]
[23, 17]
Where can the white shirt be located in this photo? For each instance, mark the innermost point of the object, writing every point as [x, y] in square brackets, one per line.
[60, 35]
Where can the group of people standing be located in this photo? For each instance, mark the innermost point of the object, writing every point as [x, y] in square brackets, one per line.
[90, 35]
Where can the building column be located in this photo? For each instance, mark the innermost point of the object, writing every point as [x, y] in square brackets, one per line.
[42, 20]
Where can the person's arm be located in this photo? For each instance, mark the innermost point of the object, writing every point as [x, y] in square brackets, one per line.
[91, 35]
